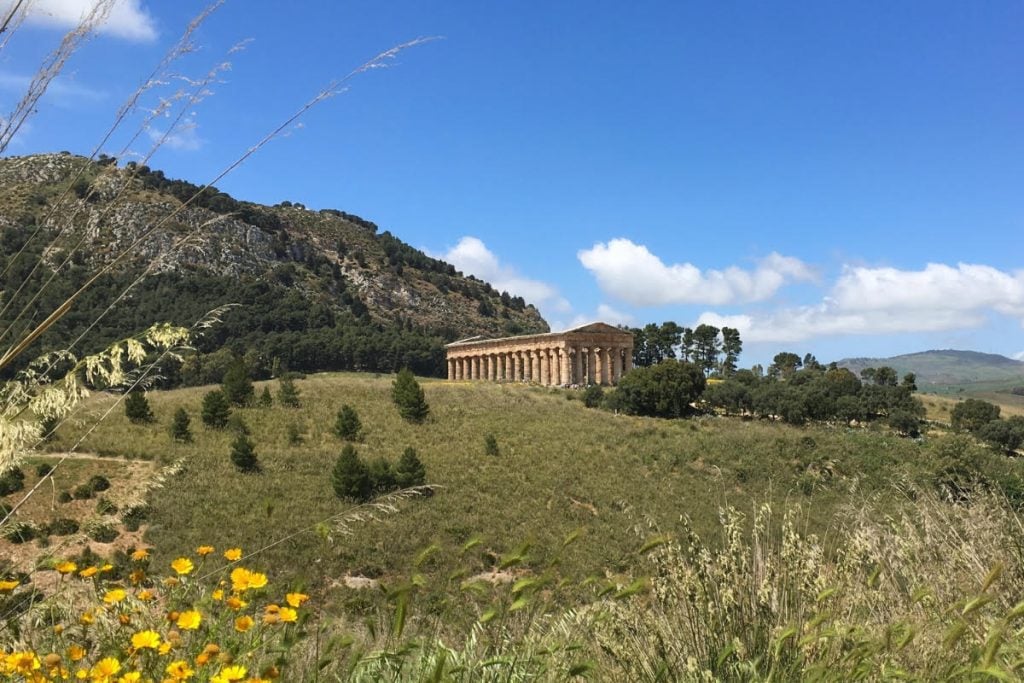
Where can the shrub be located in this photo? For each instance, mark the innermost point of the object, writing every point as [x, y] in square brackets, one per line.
[180, 426]
[1007, 435]
[237, 386]
[105, 507]
[82, 492]
[43, 469]
[593, 395]
[266, 400]
[904, 422]
[490, 445]
[19, 532]
[134, 516]
[215, 409]
[64, 497]
[294, 434]
[98, 482]
[238, 425]
[136, 407]
[288, 393]
[408, 396]
[62, 526]
[13, 480]
[382, 476]
[350, 477]
[348, 426]
[243, 455]
[410, 471]
[101, 531]
[972, 414]
[663, 390]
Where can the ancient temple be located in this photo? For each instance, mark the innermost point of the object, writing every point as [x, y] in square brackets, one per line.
[597, 353]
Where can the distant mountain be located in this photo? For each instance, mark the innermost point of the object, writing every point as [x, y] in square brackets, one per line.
[947, 367]
[320, 290]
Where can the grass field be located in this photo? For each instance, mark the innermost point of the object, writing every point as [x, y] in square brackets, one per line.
[562, 467]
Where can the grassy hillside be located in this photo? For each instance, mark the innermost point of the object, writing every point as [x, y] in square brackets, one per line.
[561, 467]
[950, 371]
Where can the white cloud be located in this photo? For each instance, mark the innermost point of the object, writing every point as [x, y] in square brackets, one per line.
[472, 257]
[632, 273]
[127, 18]
[888, 300]
[1018, 356]
[183, 138]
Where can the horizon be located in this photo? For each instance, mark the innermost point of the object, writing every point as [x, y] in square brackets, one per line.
[747, 168]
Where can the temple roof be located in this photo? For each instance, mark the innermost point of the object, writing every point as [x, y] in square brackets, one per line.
[589, 328]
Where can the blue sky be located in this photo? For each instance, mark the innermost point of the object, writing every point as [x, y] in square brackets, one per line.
[838, 178]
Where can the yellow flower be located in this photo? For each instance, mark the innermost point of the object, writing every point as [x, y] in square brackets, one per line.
[114, 596]
[289, 615]
[235, 603]
[230, 673]
[145, 595]
[144, 639]
[105, 668]
[164, 648]
[296, 599]
[87, 618]
[243, 624]
[136, 576]
[211, 650]
[179, 670]
[58, 629]
[204, 550]
[66, 567]
[130, 677]
[8, 586]
[140, 554]
[76, 652]
[189, 620]
[217, 594]
[233, 554]
[22, 662]
[107, 567]
[271, 614]
[88, 572]
[124, 619]
[242, 579]
[182, 565]
[171, 581]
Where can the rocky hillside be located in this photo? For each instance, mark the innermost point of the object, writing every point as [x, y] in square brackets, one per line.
[319, 289]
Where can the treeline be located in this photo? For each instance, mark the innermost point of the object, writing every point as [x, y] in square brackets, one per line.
[715, 351]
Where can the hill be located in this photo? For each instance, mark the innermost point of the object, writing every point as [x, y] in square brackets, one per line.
[949, 370]
[321, 290]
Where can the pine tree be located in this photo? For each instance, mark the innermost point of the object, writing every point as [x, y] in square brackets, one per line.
[410, 471]
[348, 426]
[237, 385]
[215, 409]
[288, 393]
[408, 396]
[243, 455]
[382, 476]
[490, 445]
[180, 426]
[266, 400]
[350, 477]
[136, 407]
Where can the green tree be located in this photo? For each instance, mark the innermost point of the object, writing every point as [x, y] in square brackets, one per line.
[904, 422]
[136, 407]
[243, 454]
[732, 346]
[1007, 435]
[287, 392]
[408, 396]
[593, 395]
[410, 471]
[687, 345]
[350, 477]
[706, 348]
[663, 390]
[266, 400]
[886, 376]
[347, 426]
[216, 410]
[237, 385]
[491, 445]
[784, 365]
[972, 414]
[382, 476]
[180, 426]
[910, 381]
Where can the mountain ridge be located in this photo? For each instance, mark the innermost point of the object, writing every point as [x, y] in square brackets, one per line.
[942, 367]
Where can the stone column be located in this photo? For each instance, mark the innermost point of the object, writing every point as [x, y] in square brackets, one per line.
[590, 366]
[451, 369]
[510, 366]
[517, 366]
[500, 374]
[460, 368]
[544, 369]
[577, 365]
[566, 365]
[600, 365]
[476, 367]
[535, 366]
[616, 357]
[606, 365]
[627, 360]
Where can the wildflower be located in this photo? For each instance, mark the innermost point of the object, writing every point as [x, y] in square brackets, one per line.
[130, 677]
[164, 648]
[182, 565]
[204, 550]
[235, 603]
[22, 662]
[230, 673]
[144, 639]
[114, 596]
[145, 595]
[124, 619]
[58, 629]
[52, 660]
[242, 579]
[8, 586]
[76, 653]
[171, 581]
[210, 651]
[233, 554]
[296, 599]
[179, 670]
[217, 594]
[107, 567]
[271, 614]
[243, 624]
[88, 572]
[105, 668]
[136, 576]
[288, 615]
[86, 618]
[189, 620]
[271, 672]
[140, 554]
[66, 567]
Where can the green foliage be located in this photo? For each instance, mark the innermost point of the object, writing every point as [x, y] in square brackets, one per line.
[972, 414]
[382, 475]
[904, 422]
[593, 395]
[11, 481]
[98, 483]
[266, 400]
[136, 407]
[663, 390]
[410, 471]
[243, 454]
[237, 385]
[1007, 434]
[408, 395]
[82, 492]
[216, 409]
[43, 469]
[62, 526]
[287, 392]
[490, 445]
[348, 427]
[294, 434]
[351, 477]
[48, 427]
[180, 426]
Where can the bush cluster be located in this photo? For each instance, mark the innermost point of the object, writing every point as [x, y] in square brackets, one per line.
[354, 479]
